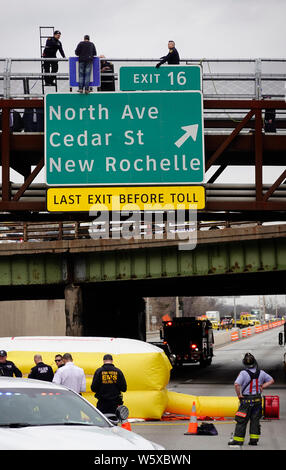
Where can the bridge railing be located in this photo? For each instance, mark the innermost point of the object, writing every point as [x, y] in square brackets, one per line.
[222, 78]
[23, 231]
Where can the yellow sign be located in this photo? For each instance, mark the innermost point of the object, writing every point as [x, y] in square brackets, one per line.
[150, 198]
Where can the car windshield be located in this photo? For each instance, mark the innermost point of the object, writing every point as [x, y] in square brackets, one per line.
[38, 407]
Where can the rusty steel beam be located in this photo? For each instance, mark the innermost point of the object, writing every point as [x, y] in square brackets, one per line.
[244, 104]
[229, 139]
[275, 186]
[5, 150]
[258, 155]
[252, 149]
[29, 180]
[16, 206]
[245, 206]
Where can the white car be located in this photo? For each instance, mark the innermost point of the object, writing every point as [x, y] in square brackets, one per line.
[38, 415]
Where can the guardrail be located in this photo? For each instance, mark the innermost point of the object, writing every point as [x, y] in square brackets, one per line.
[222, 78]
[73, 230]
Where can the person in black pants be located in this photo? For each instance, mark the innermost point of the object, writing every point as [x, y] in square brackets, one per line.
[8, 368]
[53, 45]
[108, 382]
[172, 58]
[249, 385]
[41, 371]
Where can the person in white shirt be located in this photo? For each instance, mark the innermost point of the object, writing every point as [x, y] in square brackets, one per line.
[70, 375]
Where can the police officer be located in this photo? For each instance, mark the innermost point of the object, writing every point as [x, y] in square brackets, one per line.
[8, 368]
[41, 371]
[172, 58]
[53, 45]
[248, 386]
[108, 383]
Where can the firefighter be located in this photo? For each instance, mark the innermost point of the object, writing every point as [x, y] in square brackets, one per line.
[248, 386]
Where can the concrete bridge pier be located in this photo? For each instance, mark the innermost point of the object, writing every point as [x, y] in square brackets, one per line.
[73, 310]
[113, 312]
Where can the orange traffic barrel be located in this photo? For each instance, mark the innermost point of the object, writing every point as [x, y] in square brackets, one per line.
[234, 336]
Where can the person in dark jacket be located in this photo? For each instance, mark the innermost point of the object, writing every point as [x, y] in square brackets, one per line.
[8, 368]
[41, 371]
[85, 51]
[172, 58]
[107, 82]
[53, 45]
[108, 382]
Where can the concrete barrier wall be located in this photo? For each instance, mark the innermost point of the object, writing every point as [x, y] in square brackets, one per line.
[32, 318]
[222, 337]
[236, 334]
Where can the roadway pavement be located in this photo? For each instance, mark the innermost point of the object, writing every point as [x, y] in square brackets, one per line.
[217, 380]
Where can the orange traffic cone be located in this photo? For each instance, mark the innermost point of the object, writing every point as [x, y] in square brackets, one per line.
[193, 423]
[126, 425]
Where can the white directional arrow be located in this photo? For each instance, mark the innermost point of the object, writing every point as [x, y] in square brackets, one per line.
[190, 131]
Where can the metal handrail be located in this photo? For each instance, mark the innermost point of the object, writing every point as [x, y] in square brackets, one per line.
[75, 230]
[258, 77]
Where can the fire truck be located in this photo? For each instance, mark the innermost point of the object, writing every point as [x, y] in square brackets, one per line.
[188, 340]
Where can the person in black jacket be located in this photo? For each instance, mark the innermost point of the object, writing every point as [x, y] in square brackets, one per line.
[108, 382]
[172, 58]
[107, 82]
[41, 371]
[53, 45]
[85, 51]
[8, 368]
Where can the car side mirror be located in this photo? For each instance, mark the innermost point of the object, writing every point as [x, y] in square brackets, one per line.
[280, 339]
[122, 413]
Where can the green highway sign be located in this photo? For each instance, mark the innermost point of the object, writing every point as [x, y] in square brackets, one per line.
[169, 78]
[124, 138]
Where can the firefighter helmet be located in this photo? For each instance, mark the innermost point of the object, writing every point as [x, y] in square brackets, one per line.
[249, 360]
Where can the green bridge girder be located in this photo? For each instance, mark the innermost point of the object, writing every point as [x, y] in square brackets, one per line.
[62, 264]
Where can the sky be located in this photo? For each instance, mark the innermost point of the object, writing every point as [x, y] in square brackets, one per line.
[135, 28]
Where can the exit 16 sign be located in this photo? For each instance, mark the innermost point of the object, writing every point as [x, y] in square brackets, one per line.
[168, 78]
[124, 138]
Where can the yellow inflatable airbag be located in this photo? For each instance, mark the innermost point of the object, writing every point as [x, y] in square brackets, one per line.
[146, 368]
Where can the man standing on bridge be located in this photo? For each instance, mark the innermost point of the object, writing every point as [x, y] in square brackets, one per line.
[172, 58]
[53, 45]
[249, 386]
[85, 51]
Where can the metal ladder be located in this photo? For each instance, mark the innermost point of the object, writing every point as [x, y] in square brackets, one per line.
[45, 33]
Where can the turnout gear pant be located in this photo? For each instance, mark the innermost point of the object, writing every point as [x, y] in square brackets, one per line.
[250, 409]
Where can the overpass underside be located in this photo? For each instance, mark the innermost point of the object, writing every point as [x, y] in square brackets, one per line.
[104, 282]
[229, 251]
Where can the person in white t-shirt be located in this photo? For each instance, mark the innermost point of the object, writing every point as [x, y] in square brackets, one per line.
[70, 375]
